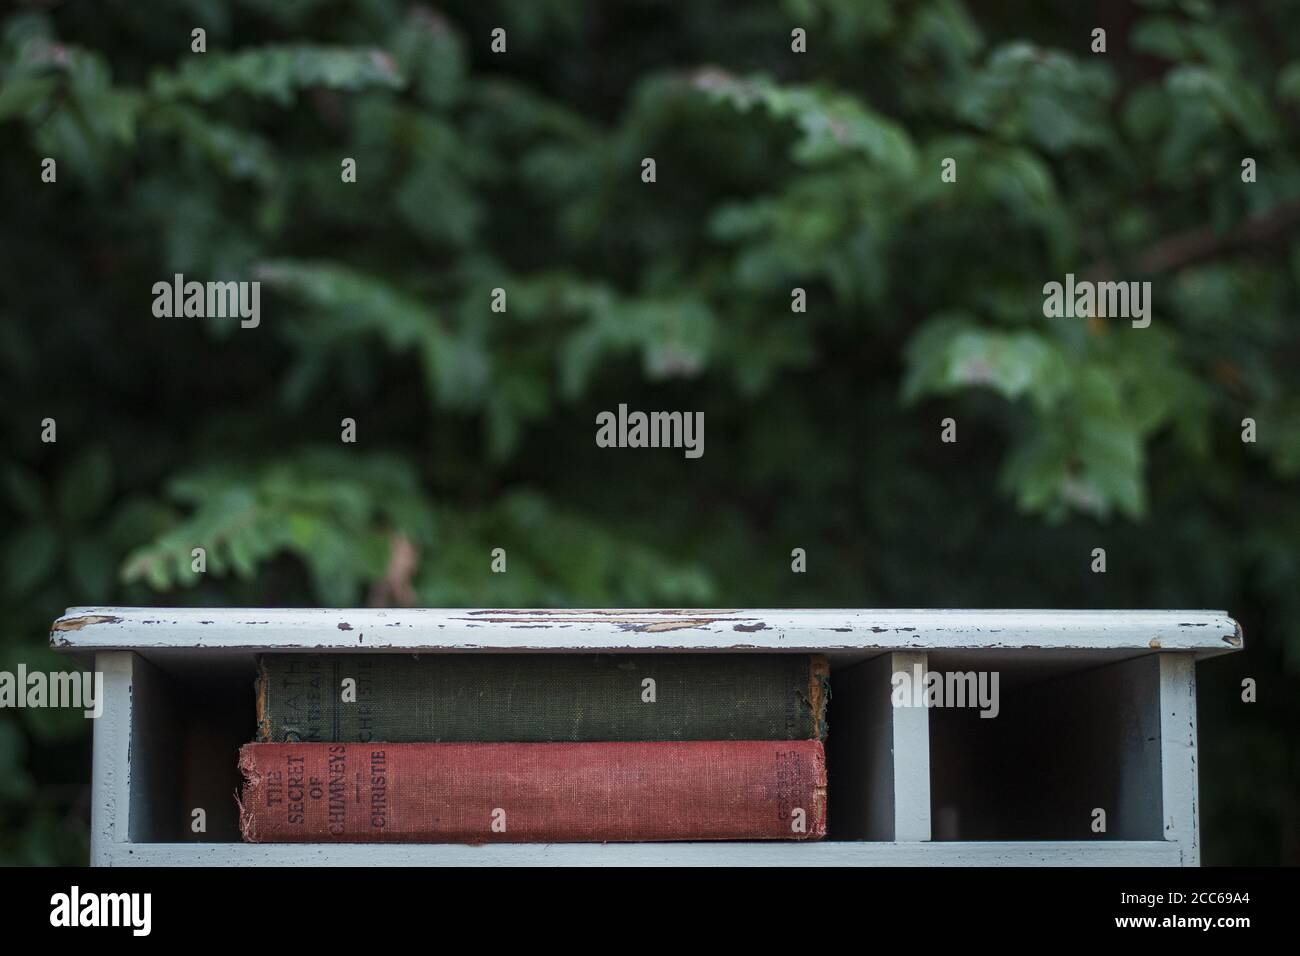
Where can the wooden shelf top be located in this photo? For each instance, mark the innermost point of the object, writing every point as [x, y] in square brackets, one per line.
[851, 633]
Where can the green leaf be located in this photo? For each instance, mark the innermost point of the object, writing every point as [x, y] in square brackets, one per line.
[356, 305]
[25, 97]
[429, 50]
[333, 512]
[950, 355]
[1045, 97]
[277, 73]
[831, 125]
[234, 152]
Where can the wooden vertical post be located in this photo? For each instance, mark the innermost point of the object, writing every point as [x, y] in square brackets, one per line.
[110, 768]
[911, 744]
[1178, 757]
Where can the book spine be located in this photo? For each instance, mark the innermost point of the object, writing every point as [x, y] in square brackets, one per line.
[540, 697]
[533, 792]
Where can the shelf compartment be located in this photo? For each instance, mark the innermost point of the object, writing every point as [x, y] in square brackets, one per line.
[1119, 737]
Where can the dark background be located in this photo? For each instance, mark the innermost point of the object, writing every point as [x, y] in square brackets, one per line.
[774, 170]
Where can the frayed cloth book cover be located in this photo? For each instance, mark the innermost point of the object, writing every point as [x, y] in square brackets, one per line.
[542, 697]
[533, 792]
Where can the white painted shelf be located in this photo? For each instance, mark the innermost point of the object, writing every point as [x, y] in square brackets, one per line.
[1098, 709]
[775, 853]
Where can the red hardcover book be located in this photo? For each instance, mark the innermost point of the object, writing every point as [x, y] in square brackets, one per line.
[533, 792]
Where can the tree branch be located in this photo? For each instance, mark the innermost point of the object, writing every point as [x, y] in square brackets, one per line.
[1197, 245]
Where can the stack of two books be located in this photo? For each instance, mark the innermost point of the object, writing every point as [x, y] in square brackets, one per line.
[536, 748]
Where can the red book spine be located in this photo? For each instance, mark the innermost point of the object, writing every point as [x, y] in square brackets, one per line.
[533, 792]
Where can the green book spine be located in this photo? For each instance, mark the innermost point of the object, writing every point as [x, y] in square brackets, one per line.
[540, 697]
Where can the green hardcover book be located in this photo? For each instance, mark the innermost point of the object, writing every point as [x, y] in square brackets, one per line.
[540, 697]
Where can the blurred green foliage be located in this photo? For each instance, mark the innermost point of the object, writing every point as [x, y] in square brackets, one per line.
[775, 170]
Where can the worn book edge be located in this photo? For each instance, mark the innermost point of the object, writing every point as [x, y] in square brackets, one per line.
[263, 686]
[818, 829]
[251, 779]
[819, 692]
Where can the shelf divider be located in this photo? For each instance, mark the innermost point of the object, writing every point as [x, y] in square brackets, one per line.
[1178, 774]
[911, 742]
[110, 765]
